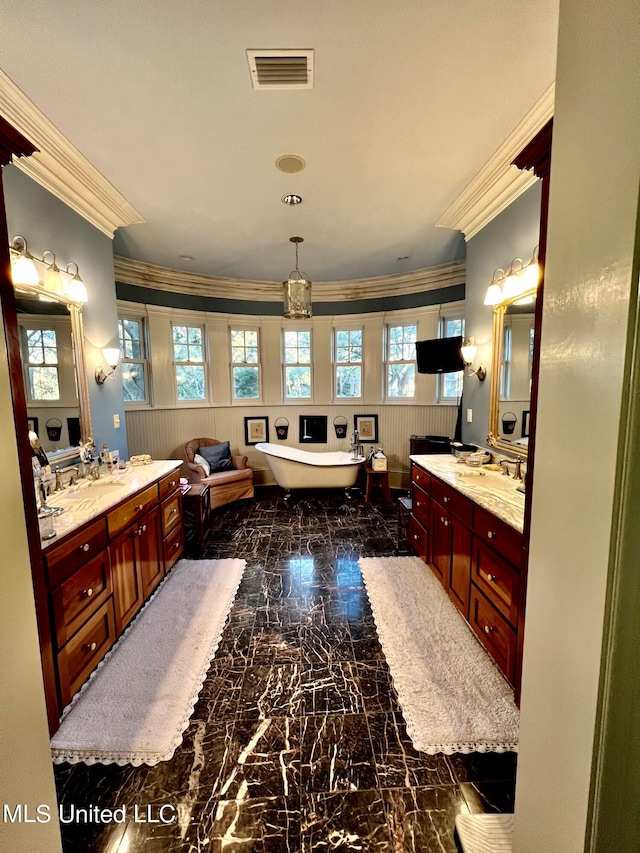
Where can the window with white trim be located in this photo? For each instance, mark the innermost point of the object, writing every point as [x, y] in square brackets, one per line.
[347, 358]
[297, 364]
[450, 384]
[189, 362]
[42, 364]
[400, 362]
[133, 359]
[245, 364]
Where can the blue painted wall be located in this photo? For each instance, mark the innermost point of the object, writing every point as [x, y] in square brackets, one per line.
[47, 223]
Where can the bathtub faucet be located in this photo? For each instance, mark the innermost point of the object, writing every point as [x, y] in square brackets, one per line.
[356, 446]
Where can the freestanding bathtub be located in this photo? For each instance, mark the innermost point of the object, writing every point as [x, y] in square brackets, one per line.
[302, 469]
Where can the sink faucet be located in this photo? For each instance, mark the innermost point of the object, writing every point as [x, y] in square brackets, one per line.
[517, 474]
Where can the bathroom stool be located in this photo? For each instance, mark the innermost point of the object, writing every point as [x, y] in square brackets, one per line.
[377, 478]
[196, 509]
[404, 514]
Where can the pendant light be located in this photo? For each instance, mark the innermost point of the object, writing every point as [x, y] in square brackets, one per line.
[297, 291]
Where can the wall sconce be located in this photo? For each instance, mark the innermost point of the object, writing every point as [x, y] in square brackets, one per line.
[111, 356]
[469, 351]
[521, 280]
[25, 272]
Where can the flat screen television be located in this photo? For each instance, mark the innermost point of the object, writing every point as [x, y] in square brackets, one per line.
[440, 355]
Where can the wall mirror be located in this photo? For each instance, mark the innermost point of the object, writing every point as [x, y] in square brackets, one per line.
[511, 374]
[54, 369]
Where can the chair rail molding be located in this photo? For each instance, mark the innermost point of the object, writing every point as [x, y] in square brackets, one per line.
[60, 168]
[498, 183]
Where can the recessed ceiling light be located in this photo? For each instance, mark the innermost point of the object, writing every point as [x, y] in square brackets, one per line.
[292, 199]
[290, 163]
[186, 257]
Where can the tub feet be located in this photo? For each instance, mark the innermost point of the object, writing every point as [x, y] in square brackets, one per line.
[287, 496]
[347, 493]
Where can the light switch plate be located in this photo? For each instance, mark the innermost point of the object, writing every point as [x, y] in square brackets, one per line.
[116, 421]
[469, 416]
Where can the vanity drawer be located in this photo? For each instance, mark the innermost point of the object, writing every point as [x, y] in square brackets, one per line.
[421, 477]
[503, 538]
[452, 500]
[497, 579]
[85, 650]
[494, 632]
[173, 546]
[72, 551]
[126, 513]
[171, 512]
[418, 538]
[420, 504]
[79, 595]
[168, 484]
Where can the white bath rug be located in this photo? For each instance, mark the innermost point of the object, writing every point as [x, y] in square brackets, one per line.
[137, 704]
[485, 833]
[452, 695]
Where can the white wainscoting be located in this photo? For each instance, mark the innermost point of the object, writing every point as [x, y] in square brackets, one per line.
[164, 432]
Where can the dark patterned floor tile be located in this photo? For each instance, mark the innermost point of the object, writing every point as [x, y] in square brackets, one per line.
[377, 688]
[249, 825]
[421, 820]
[336, 754]
[398, 763]
[270, 691]
[326, 642]
[344, 822]
[274, 645]
[330, 688]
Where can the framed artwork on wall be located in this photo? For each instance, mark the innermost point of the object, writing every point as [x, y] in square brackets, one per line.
[33, 425]
[367, 426]
[525, 423]
[256, 430]
[313, 429]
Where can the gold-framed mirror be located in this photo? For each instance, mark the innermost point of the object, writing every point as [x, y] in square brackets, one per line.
[511, 373]
[54, 368]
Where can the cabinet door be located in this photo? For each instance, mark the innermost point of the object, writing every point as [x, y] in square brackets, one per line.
[127, 579]
[150, 551]
[441, 542]
[460, 571]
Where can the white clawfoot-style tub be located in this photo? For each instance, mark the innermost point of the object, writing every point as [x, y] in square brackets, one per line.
[302, 469]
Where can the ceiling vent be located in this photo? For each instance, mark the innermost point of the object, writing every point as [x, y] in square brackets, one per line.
[281, 69]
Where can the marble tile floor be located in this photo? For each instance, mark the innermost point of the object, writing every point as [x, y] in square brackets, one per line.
[297, 742]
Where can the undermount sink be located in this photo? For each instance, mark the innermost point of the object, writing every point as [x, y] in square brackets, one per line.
[94, 489]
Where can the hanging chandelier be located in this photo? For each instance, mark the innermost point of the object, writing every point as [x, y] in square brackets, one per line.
[297, 291]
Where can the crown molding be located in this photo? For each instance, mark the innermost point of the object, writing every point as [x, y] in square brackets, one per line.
[60, 168]
[142, 274]
[498, 183]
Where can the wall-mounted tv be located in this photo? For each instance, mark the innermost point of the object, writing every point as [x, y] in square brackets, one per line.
[440, 355]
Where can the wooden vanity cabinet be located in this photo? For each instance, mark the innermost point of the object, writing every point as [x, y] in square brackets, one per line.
[99, 576]
[477, 558]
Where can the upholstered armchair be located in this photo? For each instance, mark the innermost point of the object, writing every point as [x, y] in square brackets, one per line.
[233, 483]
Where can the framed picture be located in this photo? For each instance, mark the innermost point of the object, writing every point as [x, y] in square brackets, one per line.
[367, 426]
[525, 423]
[33, 425]
[313, 429]
[256, 430]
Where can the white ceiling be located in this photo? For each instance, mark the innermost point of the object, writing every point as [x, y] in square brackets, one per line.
[411, 98]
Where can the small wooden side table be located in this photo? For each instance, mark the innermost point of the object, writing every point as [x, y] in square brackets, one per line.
[196, 509]
[376, 478]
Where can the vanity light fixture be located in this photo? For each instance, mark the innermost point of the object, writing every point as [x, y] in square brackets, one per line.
[57, 282]
[297, 291]
[469, 351]
[521, 279]
[111, 356]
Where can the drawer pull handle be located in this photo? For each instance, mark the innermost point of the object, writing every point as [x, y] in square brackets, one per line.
[418, 503]
[174, 511]
[177, 545]
[491, 535]
[92, 647]
[446, 499]
[88, 592]
[492, 578]
[84, 547]
[144, 527]
[138, 507]
[172, 483]
[488, 629]
[415, 535]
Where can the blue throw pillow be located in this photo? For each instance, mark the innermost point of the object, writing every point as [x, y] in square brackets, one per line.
[218, 456]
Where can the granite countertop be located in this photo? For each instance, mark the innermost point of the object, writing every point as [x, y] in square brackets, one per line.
[490, 490]
[91, 498]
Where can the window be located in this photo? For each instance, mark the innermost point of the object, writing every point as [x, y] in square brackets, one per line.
[245, 366]
[401, 361]
[188, 357]
[505, 367]
[348, 364]
[133, 359]
[450, 384]
[42, 361]
[297, 365]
